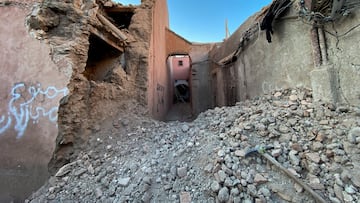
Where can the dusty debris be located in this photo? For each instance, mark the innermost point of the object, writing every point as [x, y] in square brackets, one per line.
[86, 36]
[152, 153]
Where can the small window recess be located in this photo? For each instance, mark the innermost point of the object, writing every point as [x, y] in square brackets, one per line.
[180, 63]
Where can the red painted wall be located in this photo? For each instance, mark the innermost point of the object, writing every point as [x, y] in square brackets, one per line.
[178, 71]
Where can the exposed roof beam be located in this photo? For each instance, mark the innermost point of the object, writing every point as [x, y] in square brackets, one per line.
[106, 38]
[120, 9]
[111, 27]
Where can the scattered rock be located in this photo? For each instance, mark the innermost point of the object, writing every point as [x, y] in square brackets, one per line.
[347, 198]
[185, 197]
[98, 193]
[185, 128]
[124, 181]
[293, 98]
[240, 153]
[259, 179]
[215, 186]
[353, 135]
[223, 195]
[276, 152]
[313, 157]
[65, 169]
[143, 160]
[182, 172]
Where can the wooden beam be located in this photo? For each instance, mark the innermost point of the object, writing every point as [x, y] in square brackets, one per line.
[106, 39]
[120, 9]
[111, 27]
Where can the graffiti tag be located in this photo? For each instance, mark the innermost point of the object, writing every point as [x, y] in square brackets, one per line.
[22, 109]
[160, 97]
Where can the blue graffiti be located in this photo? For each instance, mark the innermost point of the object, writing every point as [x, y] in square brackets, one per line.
[24, 111]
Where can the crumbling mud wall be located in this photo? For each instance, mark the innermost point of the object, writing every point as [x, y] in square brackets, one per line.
[318, 54]
[31, 87]
[201, 83]
[159, 81]
[105, 72]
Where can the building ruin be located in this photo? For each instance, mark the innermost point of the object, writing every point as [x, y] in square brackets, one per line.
[93, 58]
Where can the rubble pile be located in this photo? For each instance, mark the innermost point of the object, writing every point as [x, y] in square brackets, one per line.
[136, 159]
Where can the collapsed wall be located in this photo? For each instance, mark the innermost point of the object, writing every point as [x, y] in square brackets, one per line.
[108, 66]
[307, 50]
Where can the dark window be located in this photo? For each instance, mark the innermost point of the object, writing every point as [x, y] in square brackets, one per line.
[180, 63]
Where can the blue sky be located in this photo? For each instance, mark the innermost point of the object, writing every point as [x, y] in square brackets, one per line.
[204, 20]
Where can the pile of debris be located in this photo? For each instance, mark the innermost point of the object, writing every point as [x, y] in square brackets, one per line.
[136, 159]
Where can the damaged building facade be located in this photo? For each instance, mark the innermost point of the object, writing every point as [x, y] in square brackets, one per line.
[312, 46]
[71, 65]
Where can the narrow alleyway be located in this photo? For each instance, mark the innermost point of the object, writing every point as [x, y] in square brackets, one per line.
[180, 112]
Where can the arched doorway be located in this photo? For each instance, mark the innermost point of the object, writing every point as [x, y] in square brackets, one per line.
[179, 66]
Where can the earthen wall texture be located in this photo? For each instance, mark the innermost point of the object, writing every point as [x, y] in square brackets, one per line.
[31, 88]
[175, 44]
[159, 80]
[262, 67]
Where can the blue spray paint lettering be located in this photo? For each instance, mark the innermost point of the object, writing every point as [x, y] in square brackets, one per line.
[21, 110]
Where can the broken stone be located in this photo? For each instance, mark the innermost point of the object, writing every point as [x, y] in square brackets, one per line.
[80, 172]
[223, 195]
[355, 176]
[298, 188]
[208, 168]
[259, 179]
[353, 135]
[124, 181]
[240, 153]
[228, 182]
[185, 197]
[182, 172]
[222, 176]
[294, 159]
[293, 98]
[347, 198]
[350, 189]
[266, 192]
[98, 193]
[315, 184]
[324, 122]
[277, 94]
[314, 157]
[185, 128]
[90, 169]
[276, 152]
[215, 186]
[297, 147]
[284, 129]
[316, 146]
[221, 153]
[65, 169]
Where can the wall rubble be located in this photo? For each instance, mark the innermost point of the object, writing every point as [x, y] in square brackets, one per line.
[65, 25]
